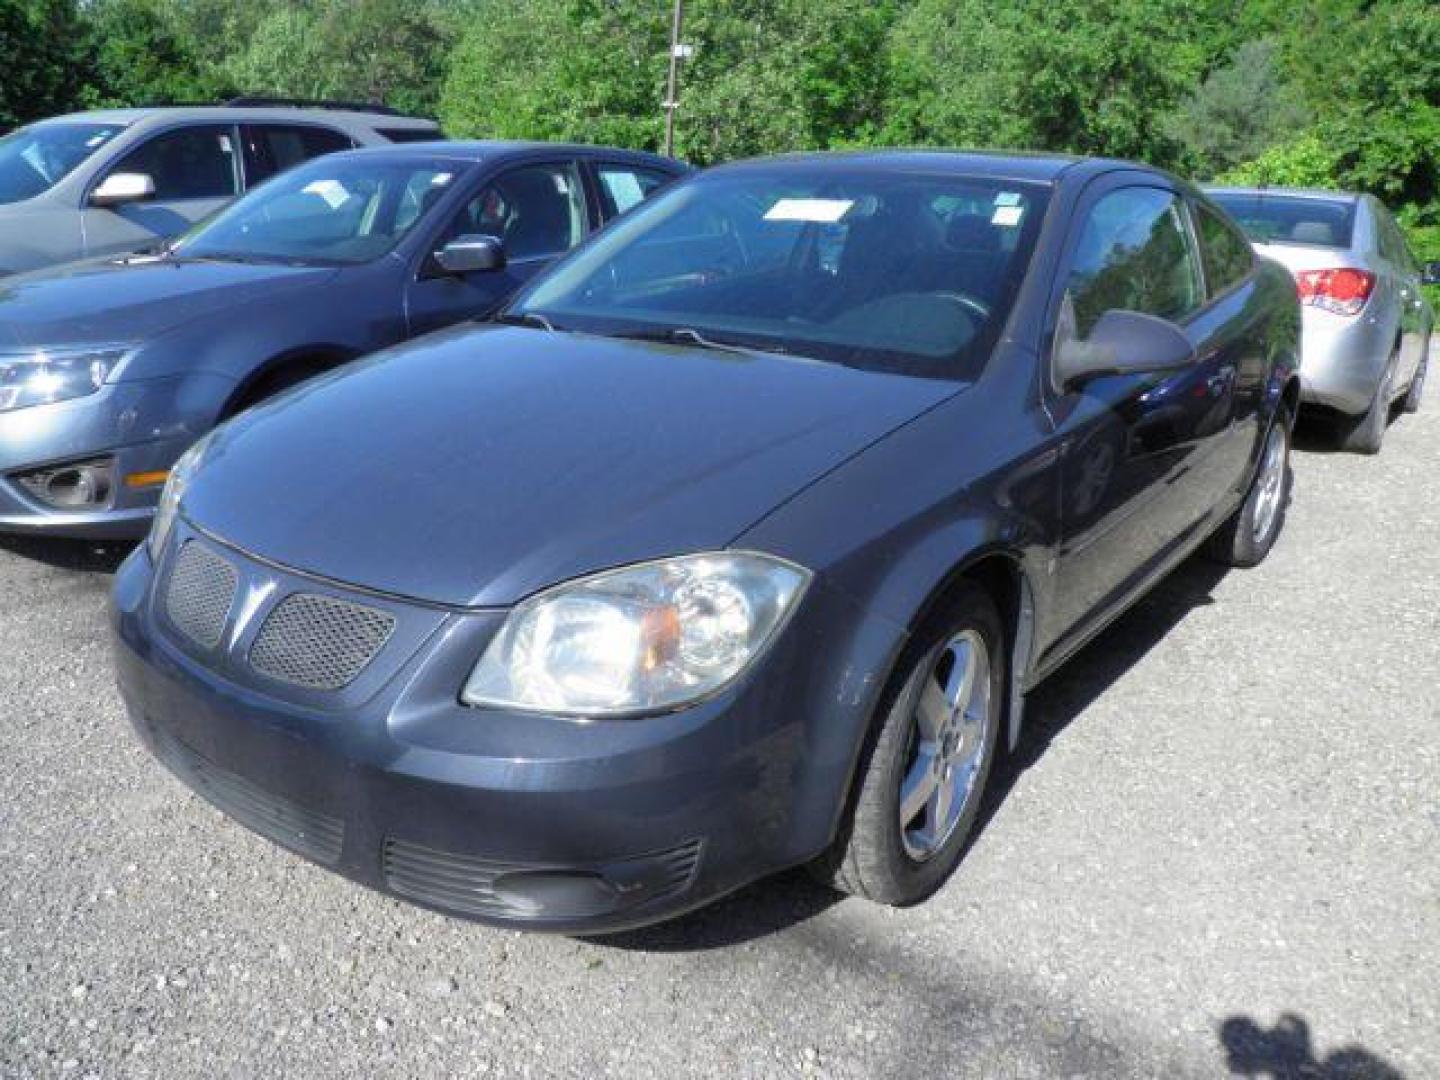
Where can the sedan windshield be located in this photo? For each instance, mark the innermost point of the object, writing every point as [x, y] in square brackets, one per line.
[333, 211]
[1290, 219]
[35, 159]
[914, 274]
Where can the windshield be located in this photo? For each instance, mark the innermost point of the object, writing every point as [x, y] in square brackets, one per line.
[35, 159]
[906, 273]
[333, 211]
[1290, 219]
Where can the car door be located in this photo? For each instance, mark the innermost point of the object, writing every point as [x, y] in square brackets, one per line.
[1403, 280]
[268, 149]
[196, 171]
[1129, 443]
[538, 210]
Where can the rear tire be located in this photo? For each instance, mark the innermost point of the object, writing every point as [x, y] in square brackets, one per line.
[1417, 384]
[1366, 433]
[1249, 535]
[921, 779]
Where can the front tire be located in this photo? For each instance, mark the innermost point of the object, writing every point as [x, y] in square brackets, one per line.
[922, 778]
[1249, 535]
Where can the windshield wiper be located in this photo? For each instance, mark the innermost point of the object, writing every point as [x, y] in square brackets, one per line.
[688, 335]
[525, 318]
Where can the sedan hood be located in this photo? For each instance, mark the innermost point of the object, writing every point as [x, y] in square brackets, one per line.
[130, 301]
[482, 464]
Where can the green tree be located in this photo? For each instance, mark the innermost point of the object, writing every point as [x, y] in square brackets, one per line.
[1238, 111]
[141, 55]
[46, 60]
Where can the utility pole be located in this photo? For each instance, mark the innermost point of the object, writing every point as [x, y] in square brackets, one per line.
[672, 90]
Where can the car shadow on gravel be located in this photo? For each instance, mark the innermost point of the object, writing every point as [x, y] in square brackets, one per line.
[1287, 1052]
[788, 899]
[83, 556]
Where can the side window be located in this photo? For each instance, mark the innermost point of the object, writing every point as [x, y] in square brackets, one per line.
[624, 186]
[1227, 255]
[187, 163]
[273, 148]
[1134, 254]
[1392, 241]
[538, 210]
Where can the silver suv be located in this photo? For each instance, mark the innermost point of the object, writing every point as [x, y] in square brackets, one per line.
[116, 180]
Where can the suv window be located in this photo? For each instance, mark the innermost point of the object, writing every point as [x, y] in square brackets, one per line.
[187, 163]
[273, 148]
[537, 210]
[1227, 255]
[1134, 254]
[624, 186]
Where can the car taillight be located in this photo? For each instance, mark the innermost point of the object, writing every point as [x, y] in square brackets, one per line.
[1343, 291]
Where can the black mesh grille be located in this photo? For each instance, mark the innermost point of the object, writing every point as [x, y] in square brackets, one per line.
[319, 642]
[314, 835]
[201, 590]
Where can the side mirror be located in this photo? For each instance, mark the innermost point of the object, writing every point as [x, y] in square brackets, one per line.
[470, 254]
[120, 188]
[1431, 274]
[1123, 343]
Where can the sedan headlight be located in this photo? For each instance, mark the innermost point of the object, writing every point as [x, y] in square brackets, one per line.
[645, 638]
[169, 507]
[42, 377]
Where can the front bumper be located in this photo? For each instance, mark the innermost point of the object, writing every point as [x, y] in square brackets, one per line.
[144, 426]
[519, 820]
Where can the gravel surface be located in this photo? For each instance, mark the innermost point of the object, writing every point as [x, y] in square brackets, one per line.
[1216, 851]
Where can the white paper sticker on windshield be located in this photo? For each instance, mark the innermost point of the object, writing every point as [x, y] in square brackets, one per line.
[821, 211]
[441, 179]
[332, 191]
[1008, 198]
[1007, 217]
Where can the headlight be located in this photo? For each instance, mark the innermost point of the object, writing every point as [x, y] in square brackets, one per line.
[170, 497]
[44, 377]
[645, 638]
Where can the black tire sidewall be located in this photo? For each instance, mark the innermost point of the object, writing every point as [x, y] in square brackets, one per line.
[889, 873]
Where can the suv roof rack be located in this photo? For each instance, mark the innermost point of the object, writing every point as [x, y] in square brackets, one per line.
[309, 103]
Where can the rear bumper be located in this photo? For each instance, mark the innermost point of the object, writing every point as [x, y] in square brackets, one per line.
[143, 426]
[1343, 359]
[517, 820]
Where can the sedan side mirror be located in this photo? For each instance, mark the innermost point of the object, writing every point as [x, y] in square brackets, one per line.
[470, 254]
[120, 188]
[1431, 274]
[1123, 343]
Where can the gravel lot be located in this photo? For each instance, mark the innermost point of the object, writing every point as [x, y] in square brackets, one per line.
[1216, 851]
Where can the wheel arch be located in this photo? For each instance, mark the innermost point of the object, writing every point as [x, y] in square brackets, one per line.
[314, 358]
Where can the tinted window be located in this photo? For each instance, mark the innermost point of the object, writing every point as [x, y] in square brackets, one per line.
[1290, 219]
[335, 210]
[1227, 255]
[35, 159]
[538, 210]
[906, 273]
[1134, 254]
[273, 148]
[188, 163]
[624, 186]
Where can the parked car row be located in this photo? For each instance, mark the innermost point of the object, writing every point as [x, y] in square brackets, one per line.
[731, 540]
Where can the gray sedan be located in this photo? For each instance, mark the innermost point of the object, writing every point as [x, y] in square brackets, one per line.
[110, 369]
[1367, 324]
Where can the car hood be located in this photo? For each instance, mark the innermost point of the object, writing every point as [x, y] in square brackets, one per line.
[479, 465]
[132, 300]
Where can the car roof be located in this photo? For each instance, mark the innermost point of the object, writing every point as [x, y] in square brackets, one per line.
[1318, 194]
[488, 149]
[242, 113]
[1008, 164]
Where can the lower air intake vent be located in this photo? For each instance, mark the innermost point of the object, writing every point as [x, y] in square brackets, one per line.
[316, 836]
[201, 590]
[319, 642]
